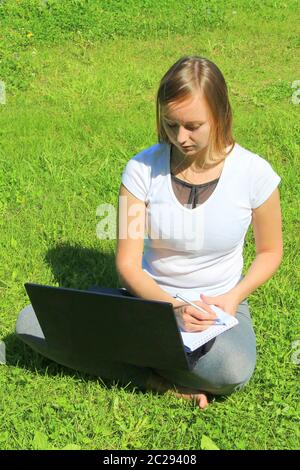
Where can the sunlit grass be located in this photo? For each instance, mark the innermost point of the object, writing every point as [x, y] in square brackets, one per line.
[87, 107]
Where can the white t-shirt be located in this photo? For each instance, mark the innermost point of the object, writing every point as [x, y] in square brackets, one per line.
[192, 251]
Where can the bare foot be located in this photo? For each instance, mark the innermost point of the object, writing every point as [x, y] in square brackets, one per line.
[161, 385]
[199, 398]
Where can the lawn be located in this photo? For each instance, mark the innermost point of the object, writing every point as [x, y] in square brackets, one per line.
[80, 80]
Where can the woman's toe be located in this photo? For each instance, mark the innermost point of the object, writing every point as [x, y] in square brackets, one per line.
[203, 402]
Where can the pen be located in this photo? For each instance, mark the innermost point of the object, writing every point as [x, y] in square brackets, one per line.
[198, 308]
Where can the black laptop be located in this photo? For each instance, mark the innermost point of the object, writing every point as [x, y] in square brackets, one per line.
[100, 325]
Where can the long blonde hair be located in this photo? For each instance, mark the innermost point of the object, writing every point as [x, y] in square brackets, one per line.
[191, 75]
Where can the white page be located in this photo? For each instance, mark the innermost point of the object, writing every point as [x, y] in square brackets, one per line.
[196, 339]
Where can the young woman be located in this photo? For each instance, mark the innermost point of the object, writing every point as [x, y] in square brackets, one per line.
[197, 191]
[194, 195]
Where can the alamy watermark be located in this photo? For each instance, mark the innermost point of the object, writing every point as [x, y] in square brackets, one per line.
[2, 92]
[2, 353]
[106, 228]
[296, 354]
[133, 222]
[296, 94]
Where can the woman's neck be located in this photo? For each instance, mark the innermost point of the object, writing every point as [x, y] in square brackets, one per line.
[194, 163]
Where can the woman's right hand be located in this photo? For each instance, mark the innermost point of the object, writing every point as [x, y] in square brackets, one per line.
[190, 319]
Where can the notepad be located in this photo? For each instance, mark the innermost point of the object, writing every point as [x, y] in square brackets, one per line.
[193, 340]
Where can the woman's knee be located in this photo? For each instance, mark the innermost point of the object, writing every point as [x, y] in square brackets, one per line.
[223, 374]
[224, 379]
[236, 377]
[232, 374]
[233, 359]
[27, 323]
[22, 320]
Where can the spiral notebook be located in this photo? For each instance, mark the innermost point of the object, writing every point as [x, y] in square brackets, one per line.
[224, 322]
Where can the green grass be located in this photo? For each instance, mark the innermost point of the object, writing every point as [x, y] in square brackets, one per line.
[79, 105]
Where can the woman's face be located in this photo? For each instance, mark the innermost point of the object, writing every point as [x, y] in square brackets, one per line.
[188, 124]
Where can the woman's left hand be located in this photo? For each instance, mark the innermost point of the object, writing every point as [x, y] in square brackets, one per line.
[227, 302]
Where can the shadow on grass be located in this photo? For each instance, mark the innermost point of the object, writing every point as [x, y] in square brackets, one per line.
[73, 267]
[78, 268]
[22, 356]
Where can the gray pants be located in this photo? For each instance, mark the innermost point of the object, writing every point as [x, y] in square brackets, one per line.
[225, 368]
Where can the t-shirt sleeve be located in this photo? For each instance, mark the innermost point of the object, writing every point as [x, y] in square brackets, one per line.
[264, 181]
[136, 177]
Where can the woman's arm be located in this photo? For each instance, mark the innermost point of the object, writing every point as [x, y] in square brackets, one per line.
[140, 284]
[267, 229]
[130, 238]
